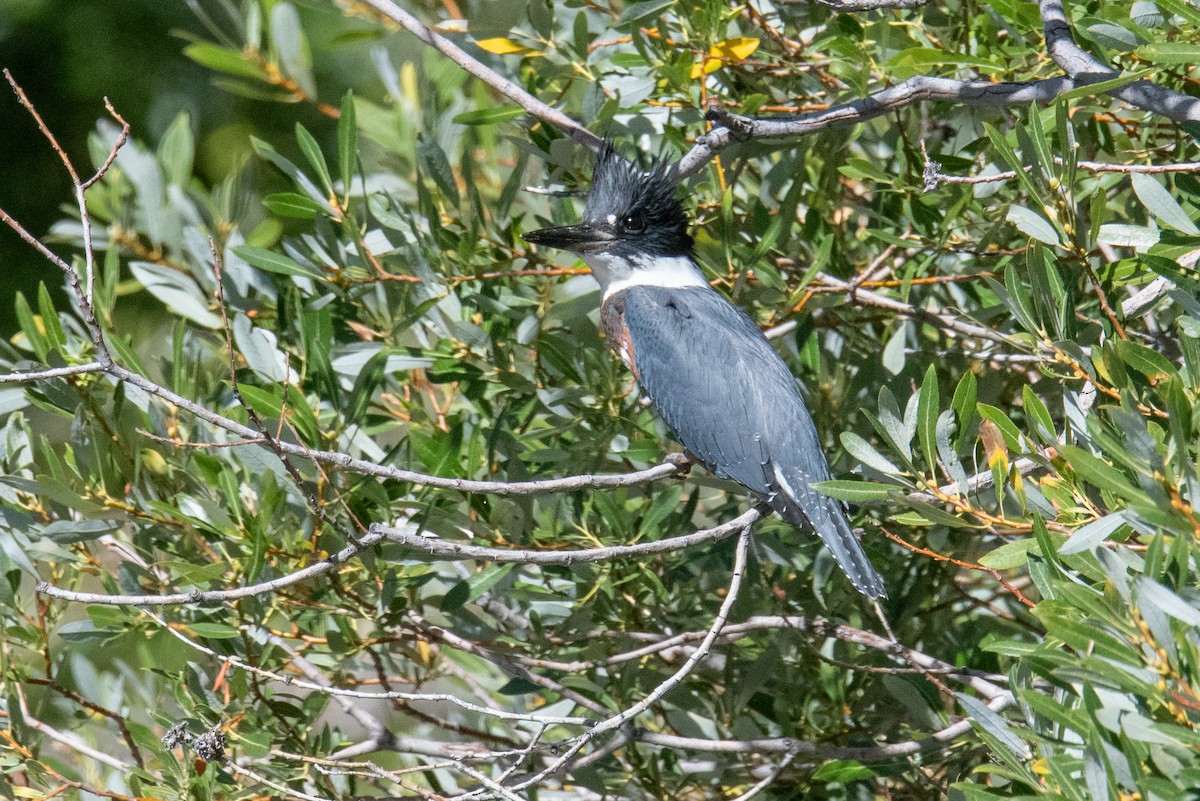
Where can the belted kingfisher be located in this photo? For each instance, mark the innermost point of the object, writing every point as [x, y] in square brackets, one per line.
[704, 364]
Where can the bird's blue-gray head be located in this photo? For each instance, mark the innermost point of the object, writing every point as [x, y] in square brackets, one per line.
[630, 212]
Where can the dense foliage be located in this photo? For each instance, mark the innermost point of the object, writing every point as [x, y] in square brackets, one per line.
[998, 332]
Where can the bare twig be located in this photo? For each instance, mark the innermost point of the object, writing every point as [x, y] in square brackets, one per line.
[51, 372]
[72, 741]
[859, 5]
[363, 694]
[504, 86]
[216, 596]
[443, 549]
[935, 741]
[653, 697]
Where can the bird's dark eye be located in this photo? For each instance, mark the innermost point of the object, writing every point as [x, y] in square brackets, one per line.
[633, 224]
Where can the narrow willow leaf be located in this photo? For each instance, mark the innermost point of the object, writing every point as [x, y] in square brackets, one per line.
[1151, 592]
[1158, 201]
[963, 404]
[856, 491]
[274, 262]
[292, 204]
[437, 166]
[927, 416]
[945, 448]
[347, 143]
[1042, 421]
[1033, 225]
[862, 450]
[312, 152]
[1093, 533]
[983, 716]
[489, 116]
[1009, 555]
[224, 59]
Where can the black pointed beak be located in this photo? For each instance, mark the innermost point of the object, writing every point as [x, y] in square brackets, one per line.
[582, 238]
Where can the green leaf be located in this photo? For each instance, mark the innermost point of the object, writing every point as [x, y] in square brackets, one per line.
[856, 491]
[1158, 201]
[495, 115]
[31, 327]
[1009, 555]
[292, 204]
[1043, 423]
[1012, 435]
[437, 166]
[347, 142]
[1169, 53]
[55, 337]
[1093, 533]
[636, 14]
[274, 262]
[927, 416]
[1033, 225]
[1149, 363]
[1101, 474]
[982, 716]
[287, 36]
[214, 631]
[178, 291]
[1101, 87]
[312, 152]
[265, 402]
[963, 405]
[223, 59]
[369, 379]
[842, 771]
[177, 151]
[1152, 593]
[862, 450]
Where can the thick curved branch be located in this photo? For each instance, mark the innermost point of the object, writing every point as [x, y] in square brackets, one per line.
[1085, 69]
[734, 128]
[503, 85]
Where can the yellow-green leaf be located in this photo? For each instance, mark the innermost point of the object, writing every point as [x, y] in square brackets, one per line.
[505, 47]
[735, 49]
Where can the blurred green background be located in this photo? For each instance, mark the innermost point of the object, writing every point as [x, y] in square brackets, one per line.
[71, 54]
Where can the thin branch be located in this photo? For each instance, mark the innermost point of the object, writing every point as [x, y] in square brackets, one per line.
[215, 596]
[51, 372]
[941, 320]
[72, 741]
[674, 466]
[443, 549]
[653, 697]
[936, 741]
[504, 86]
[767, 780]
[390, 695]
[983, 480]
[859, 5]
[286, 791]
[934, 177]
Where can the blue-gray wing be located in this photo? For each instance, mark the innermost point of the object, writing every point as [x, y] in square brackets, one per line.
[731, 401]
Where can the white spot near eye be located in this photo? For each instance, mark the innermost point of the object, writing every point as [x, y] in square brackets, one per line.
[612, 219]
